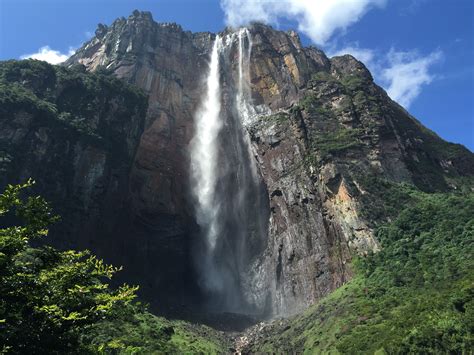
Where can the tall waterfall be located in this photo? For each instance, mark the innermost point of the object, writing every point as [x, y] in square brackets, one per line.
[204, 151]
[204, 159]
[228, 192]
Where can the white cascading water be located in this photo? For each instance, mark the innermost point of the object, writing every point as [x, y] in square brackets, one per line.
[246, 110]
[225, 182]
[204, 151]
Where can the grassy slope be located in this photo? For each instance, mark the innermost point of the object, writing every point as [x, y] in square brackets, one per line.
[144, 333]
[415, 296]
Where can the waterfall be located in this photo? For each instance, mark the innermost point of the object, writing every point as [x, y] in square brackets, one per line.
[204, 157]
[243, 99]
[245, 108]
[227, 189]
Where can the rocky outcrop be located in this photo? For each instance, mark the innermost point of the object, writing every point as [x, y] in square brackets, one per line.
[281, 66]
[315, 158]
[328, 128]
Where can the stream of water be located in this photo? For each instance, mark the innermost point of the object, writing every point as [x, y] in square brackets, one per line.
[228, 192]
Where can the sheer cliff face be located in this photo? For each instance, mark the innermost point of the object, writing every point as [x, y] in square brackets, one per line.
[326, 129]
[76, 134]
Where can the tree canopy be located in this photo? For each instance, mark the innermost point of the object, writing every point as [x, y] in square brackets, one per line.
[54, 301]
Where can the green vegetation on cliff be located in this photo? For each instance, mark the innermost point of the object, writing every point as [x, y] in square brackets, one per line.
[58, 302]
[336, 141]
[414, 296]
[81, 103]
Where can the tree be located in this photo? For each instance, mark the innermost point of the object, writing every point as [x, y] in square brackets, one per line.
[49, 298]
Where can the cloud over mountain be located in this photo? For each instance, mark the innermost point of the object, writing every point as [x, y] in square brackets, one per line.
[318, 19]
[49, 55]
[402, 73]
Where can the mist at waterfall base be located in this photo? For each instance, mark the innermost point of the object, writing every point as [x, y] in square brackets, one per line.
[231, 202]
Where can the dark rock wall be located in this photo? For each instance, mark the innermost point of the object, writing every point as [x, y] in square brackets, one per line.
[76, 134]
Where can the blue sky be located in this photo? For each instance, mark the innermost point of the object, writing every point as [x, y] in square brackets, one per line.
[420, 51]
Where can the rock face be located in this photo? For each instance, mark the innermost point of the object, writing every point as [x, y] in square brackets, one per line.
[317, 158]
[76, 134]
[167, 63]
[327, 131]
[170, 65]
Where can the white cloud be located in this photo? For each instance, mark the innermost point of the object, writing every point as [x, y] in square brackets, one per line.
[49, 55]
[407, 73]
[402, 74]
[318, 19]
